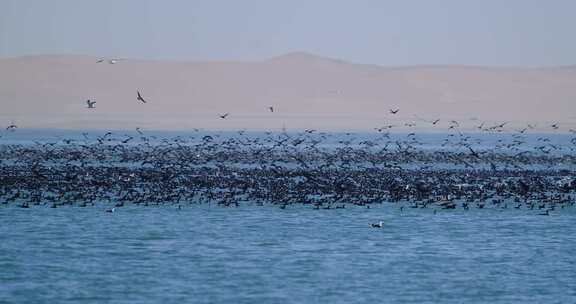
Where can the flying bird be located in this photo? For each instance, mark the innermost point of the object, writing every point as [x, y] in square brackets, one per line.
[90, 104]
[394, 111]
[501, 125]
[271, 109]
[125, 141]
[12, 127]
[223, 116]
[110, 60]
[139, 97]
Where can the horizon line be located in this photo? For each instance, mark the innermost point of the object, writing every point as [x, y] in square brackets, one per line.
[293, 54]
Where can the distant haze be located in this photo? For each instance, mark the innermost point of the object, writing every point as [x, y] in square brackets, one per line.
[306, 91]
[384, 32]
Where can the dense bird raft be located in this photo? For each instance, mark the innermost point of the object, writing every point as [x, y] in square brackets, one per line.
[319, 170]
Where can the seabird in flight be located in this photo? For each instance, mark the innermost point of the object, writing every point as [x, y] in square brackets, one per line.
[139, 97]
[12, 127]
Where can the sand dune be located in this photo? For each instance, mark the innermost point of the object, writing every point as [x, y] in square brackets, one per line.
[306, 91]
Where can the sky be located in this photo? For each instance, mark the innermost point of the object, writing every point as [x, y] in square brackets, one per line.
[384, 32]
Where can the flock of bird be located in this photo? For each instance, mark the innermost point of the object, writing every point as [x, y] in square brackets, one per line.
[318, 170]
[313, 169]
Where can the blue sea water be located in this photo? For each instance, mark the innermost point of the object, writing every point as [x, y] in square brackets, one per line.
[264, 254]
[255, 254]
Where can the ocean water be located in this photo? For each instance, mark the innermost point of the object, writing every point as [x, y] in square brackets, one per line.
[264, 254]
[206, 253]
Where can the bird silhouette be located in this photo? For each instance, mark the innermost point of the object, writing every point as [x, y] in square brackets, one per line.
[394, 111]
[12, 127]
[110, 60]
[223, 116]
[377, 225]
[90, 104]
[139, 97]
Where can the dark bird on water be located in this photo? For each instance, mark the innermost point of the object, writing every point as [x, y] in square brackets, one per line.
[377, 225]
[140, 98]
[474, 153]
[90, 104]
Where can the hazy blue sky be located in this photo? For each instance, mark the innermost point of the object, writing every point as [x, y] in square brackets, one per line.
[402, 32]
